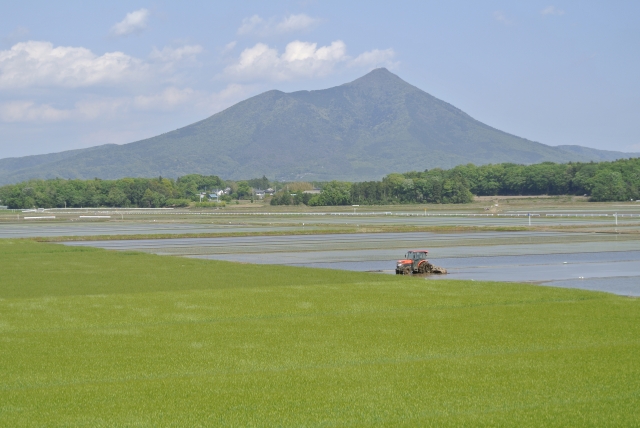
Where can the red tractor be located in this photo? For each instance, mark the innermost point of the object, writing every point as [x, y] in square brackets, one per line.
[415, 261]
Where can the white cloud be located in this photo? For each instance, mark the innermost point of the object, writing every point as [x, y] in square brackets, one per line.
[374, 58]
[94, 108]
[100, 108]
[258, 26]
[133, 22]
[27, 111]
[173, 98]
[228, 47]
[250, 25]
[295, 23]
[500, 16]
[301, 60]
[169, 54]
[166, 100]
[551, 10]
[40, 64]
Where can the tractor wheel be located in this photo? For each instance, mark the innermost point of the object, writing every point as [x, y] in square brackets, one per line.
[407, 271]
[421, 268]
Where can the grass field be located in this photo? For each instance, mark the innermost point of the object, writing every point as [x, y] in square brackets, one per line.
[96, 338]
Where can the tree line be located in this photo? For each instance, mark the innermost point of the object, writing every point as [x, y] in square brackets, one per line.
[126, 192]
[603, 181]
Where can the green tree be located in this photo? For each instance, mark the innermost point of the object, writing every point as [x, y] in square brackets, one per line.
[334, 193]
[608, 186]
[244, 190]
[117, 198]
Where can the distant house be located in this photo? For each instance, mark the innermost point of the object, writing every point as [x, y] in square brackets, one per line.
[260, 194]
[313, 191]
[216, 195]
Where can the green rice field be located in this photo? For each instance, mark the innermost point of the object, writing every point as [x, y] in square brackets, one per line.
[90, 337]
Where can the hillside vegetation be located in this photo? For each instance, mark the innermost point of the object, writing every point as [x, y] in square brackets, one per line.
[604, 181]
[362, 130]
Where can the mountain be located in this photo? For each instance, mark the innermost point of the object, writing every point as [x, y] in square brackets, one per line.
[9, 165]
[361, 130]
[597, 155]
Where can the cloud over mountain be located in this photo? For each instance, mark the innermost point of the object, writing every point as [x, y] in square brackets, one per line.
[300, 60]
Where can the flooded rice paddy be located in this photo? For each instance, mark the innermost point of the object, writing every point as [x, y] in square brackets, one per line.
[89, 228]
[605, 262]
[120, 222]
[596, 261]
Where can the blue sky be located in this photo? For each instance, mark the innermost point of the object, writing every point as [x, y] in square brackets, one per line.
[78, 74]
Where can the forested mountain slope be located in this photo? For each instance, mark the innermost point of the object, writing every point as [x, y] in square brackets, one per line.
[361, 130]
[597, 155]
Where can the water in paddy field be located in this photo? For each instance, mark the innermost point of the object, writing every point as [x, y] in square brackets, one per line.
[589, 261]
[614, 272]
[23, 230]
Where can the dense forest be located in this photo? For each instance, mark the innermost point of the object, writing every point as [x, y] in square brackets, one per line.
[603, 181]
[126, 192]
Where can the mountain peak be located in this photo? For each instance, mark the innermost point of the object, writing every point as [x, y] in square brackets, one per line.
[377, 76]
[381, 71]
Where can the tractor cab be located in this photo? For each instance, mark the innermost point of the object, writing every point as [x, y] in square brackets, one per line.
[417, 254]
[412, 261]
